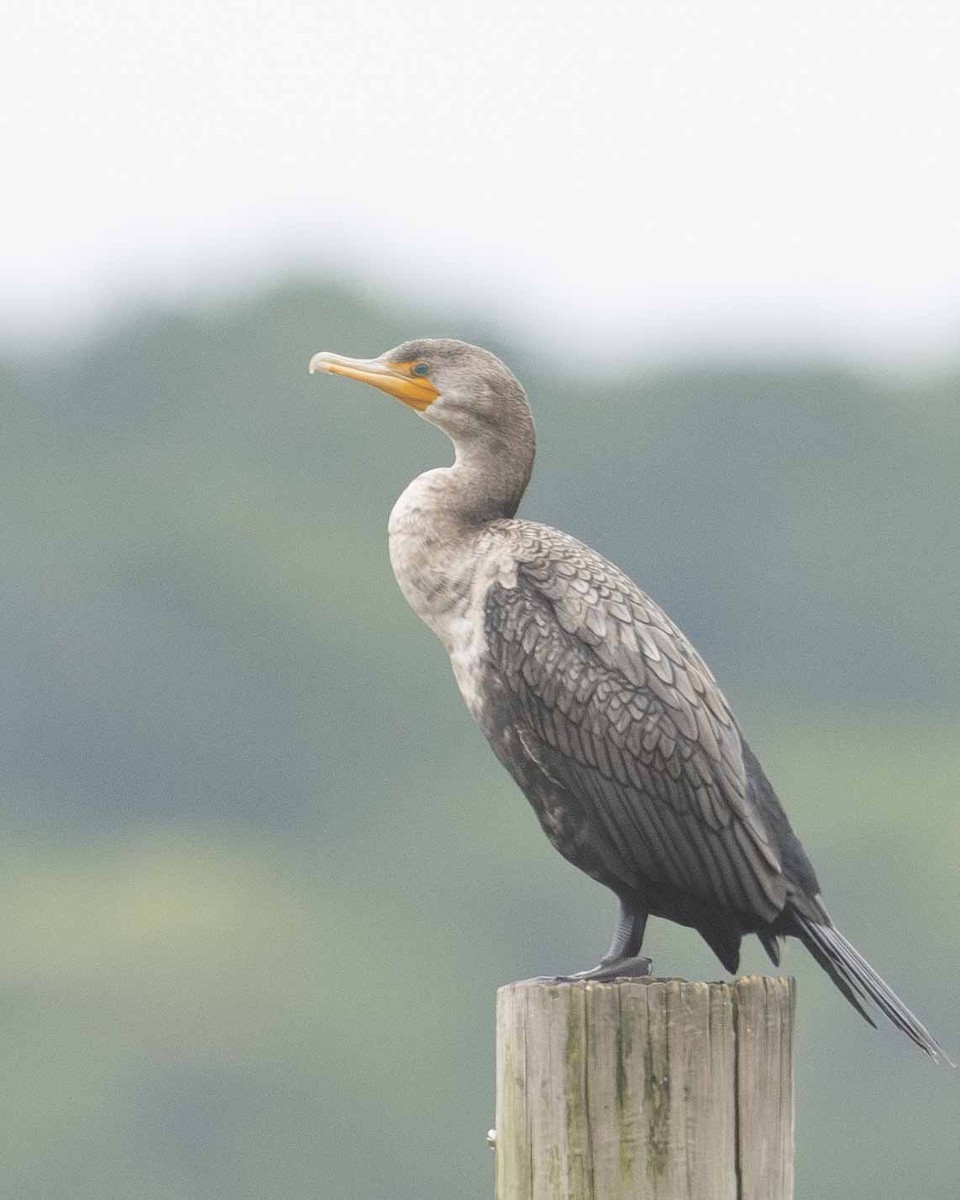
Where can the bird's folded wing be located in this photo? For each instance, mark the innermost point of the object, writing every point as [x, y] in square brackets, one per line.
[633, 725]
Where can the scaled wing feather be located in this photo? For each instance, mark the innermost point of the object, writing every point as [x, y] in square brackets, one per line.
[632, 724]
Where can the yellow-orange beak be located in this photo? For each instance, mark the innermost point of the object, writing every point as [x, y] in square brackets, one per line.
[394, 378]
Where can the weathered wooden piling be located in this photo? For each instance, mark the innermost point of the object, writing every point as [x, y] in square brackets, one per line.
[633, 1090]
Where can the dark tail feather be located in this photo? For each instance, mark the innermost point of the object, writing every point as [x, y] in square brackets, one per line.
[860, 983]
[772, 943]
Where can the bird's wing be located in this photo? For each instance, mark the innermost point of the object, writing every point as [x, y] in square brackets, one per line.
[633, 725]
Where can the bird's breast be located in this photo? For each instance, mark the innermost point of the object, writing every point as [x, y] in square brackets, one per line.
[449, 597]
[445, 572]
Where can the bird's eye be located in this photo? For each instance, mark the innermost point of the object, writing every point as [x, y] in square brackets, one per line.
[420, 368]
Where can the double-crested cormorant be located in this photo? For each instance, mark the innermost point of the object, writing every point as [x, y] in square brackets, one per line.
[595, 702]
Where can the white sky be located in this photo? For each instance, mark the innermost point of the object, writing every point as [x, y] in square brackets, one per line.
[643, 177]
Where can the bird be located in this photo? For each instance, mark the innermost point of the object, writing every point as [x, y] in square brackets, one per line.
[595, 702]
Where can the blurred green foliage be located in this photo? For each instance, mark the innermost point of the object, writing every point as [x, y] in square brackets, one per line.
[261, 876]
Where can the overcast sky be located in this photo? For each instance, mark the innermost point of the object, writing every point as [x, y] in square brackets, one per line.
[644, 177]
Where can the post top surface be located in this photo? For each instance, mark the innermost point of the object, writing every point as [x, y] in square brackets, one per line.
[668, 983]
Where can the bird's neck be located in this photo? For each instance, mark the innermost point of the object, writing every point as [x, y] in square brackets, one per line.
[441, 517]
[487, 480]
[486, 483]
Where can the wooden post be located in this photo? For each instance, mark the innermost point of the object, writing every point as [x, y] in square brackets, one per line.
[633, 1090]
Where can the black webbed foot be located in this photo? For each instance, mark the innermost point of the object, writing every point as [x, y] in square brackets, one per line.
[631, 967]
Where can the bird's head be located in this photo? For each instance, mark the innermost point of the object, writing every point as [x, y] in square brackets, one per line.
[464, 390]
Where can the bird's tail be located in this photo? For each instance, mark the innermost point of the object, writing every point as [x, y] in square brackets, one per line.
[860, 983]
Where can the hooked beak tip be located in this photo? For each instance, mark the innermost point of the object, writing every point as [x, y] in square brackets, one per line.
[319, 362]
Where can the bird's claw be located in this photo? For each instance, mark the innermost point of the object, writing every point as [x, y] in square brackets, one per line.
[605, 972]
[621, 968]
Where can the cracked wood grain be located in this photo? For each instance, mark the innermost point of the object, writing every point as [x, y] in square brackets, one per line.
[632, 1090]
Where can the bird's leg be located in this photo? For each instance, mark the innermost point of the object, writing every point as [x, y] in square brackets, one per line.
[628, 935]
[623, 959]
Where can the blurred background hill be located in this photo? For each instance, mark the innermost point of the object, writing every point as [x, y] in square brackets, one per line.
[238, 785]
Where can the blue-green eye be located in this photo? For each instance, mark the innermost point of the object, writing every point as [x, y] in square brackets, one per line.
[420, 369]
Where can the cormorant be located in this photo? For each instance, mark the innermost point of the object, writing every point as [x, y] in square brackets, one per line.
[591, 697]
